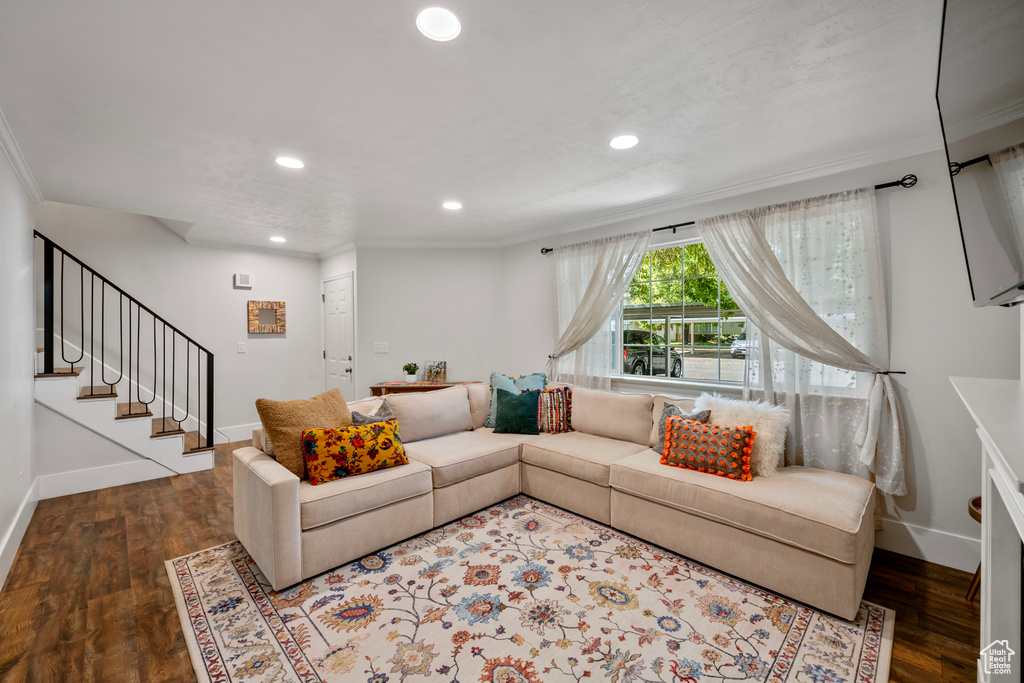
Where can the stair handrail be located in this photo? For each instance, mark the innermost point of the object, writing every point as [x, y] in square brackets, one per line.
[48, 313]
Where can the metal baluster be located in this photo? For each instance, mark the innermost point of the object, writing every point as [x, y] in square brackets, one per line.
[48, 255]
[209, 399]
[82, 307]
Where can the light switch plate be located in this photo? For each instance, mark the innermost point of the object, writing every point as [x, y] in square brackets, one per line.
[241, 347]
[380, 347]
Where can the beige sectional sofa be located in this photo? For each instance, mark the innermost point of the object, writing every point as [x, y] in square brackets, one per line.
[805, 533]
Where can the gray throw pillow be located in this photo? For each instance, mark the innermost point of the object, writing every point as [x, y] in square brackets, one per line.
[382, 414]
[669, 410]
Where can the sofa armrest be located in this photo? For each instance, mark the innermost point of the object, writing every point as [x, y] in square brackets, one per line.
[267, 518]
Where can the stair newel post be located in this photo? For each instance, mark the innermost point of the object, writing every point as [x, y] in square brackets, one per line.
[209, 398]
[48, 254]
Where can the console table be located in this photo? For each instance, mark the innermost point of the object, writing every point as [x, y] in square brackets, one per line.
[385, 388]
[997, 406]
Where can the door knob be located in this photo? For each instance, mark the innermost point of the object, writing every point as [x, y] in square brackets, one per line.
[348, 369]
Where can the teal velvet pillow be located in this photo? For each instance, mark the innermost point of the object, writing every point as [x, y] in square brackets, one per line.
[517, 413]
[514, 385]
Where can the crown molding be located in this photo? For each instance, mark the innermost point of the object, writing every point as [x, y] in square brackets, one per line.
[232, 246]
[979, 124]
[13, 153]
[340, 249]
[904, 150]
[428, 245]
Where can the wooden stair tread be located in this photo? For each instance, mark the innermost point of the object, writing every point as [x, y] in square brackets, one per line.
[170, 428]
[61, 372]
[137, 410]
[93, 392]
[194, 443]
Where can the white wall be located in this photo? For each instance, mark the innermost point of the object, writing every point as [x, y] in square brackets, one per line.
[338, 264]
[192, 288]
[71, 459]
[17, 365]
[428, 304]
[935, 333]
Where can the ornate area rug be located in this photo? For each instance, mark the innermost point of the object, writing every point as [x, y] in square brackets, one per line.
[520, 592]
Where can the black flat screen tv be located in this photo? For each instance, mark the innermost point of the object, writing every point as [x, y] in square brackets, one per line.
[980, 96]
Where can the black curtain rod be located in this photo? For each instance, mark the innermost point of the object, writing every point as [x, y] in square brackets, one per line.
[957, 166]
[908, 180]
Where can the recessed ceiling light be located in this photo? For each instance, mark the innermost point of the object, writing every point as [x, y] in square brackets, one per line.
[289, 162]
[452, 206]
[278, 239]
[624, 141]
[438, 23]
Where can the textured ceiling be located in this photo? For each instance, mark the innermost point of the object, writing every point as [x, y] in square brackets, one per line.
[177, 109]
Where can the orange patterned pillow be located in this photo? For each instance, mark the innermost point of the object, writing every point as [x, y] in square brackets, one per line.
[724, 451]
[335, 453]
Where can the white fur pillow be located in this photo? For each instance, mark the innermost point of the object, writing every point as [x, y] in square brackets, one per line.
[769, 421]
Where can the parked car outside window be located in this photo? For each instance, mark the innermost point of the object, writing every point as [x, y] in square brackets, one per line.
[739, 347]
[646, 354]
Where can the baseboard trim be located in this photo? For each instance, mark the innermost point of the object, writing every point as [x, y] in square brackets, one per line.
[12, 538]
[931, 545]
[95, 478]
[236, 433]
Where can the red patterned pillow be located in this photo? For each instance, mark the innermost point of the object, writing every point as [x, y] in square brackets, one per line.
[724, 451]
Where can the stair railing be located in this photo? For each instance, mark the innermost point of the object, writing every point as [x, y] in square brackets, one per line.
[160, 328]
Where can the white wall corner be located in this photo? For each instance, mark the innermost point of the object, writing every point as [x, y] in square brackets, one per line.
[931, 545]
[16, 532]
[235, 433]
[95, 478]
[13, 153]
[340, 249]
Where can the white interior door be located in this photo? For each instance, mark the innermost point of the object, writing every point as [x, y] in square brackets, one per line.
[339, 335]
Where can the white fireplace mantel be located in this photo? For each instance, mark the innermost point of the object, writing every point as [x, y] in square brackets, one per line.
[997, 406]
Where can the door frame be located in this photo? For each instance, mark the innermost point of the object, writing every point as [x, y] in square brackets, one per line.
[355, 332]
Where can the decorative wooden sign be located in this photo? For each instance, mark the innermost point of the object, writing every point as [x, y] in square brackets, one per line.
[266, 317]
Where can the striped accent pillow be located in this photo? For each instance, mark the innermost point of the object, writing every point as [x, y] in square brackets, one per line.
[554, 410]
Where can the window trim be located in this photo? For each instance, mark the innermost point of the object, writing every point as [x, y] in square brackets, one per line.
[620, 376]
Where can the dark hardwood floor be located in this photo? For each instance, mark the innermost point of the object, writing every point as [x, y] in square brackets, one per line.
[88, 598]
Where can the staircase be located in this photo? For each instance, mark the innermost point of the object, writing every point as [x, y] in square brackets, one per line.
[111, 364]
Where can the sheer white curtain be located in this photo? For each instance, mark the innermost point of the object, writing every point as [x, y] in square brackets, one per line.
[808, 277]
[1008, 165]
[590, 280]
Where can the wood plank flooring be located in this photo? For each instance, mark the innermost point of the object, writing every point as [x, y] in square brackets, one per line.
[88, 598]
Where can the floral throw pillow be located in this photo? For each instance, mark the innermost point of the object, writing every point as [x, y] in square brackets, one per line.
[714, 449]
[335, 453]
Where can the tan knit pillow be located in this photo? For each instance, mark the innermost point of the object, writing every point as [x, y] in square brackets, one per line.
[284, 422]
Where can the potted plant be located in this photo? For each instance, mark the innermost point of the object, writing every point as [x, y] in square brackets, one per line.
[410, 371]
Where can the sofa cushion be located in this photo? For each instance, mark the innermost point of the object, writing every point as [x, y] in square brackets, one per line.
[805, 507]
[626, 417]
[479, 403]
[514, 438]
[463, 455]
[579, 455]
[343, 498]
[428, 414]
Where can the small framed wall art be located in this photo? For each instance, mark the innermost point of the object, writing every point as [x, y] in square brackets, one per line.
[266, 317]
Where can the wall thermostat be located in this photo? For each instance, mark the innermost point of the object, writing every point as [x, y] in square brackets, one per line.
[243, 281]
